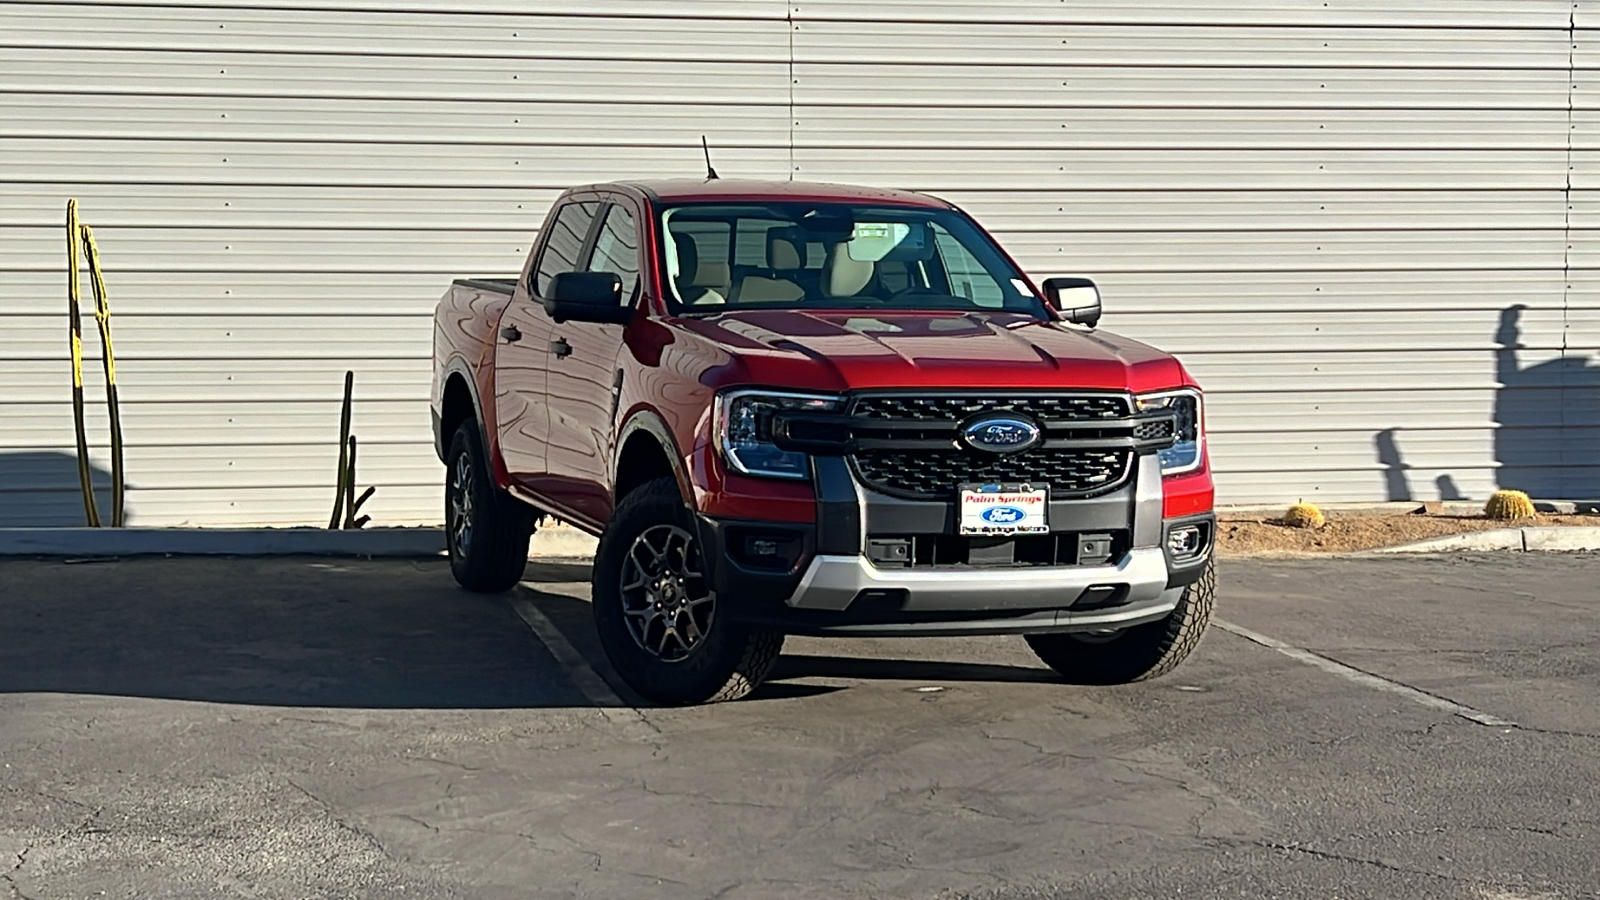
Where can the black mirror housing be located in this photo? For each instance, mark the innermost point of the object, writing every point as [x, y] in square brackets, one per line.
[587, 297]
[1077, 299]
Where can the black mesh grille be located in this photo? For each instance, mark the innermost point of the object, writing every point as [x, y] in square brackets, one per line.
[1150, 431]
[954, 409]
[934, 474]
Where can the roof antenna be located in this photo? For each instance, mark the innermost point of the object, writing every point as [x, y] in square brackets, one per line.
[711, 174]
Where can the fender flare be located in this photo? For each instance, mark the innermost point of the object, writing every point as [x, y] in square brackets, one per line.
[650, 422]
[458, 366]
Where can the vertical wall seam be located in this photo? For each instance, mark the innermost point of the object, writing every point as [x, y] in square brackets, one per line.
[1566, 212]
[789, 23]
[1566, 240]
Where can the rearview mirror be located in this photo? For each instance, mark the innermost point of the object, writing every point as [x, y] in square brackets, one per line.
[1077, 299]
[587, 297]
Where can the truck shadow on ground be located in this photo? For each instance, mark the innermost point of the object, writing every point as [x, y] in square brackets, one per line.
[338, 633]
[574, 618]
[286, 631]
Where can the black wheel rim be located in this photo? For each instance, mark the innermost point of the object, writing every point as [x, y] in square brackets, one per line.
[666, 603]
[460, 494]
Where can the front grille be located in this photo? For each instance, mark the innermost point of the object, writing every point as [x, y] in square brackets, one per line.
[909, 445]
[934, 474]
[1045, 409]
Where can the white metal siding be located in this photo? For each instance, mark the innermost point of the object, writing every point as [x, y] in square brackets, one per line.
[1323, 207]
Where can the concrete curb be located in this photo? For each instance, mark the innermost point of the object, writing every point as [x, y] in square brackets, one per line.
[1402, 507]
[554, 542]
[1534, 539]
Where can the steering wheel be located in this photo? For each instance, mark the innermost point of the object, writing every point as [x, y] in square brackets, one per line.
[912, 291]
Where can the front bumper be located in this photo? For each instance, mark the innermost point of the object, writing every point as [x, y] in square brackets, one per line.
[825, 583]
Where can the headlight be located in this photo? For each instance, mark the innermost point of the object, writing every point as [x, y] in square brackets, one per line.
[1183, 456]
[744, 431]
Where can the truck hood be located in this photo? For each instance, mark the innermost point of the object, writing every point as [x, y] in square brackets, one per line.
[853, 349]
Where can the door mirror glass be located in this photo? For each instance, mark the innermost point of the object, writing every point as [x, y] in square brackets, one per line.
[1077, 299]
[587, 297]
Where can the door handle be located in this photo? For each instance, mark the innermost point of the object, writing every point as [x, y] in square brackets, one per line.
[511, 334]
[561, 348]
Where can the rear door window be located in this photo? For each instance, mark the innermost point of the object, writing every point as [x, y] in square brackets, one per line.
[568, 230]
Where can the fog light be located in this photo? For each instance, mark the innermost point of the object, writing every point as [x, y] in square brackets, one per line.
[1184, 541]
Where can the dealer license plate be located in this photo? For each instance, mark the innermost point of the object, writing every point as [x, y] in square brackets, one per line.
[999, 510]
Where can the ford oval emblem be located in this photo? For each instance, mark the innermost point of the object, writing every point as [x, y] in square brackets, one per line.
[1003, 515]
[1000, 434]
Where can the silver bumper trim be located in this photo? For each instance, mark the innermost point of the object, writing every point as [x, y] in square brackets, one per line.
[832, 582]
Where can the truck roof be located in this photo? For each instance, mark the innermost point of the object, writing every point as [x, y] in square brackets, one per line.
[685, 190]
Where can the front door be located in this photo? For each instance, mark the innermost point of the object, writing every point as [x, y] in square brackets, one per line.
[585, 380]
[522, 349]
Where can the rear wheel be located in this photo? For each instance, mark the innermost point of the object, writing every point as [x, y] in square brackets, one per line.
[486, 529]
[658, 620]
[1137, 653]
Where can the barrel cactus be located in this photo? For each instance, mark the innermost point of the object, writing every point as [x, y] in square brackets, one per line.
[1304, 515]
[1509, 506]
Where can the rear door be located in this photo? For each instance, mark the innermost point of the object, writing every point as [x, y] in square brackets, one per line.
[522, 348]
[585, 379]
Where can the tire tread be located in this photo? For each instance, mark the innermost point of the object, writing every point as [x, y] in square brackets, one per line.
[1144, 652]
[499, 552]
[744, 661]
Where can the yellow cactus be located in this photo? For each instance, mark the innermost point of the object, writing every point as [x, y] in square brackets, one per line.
[1509, 505]
[1304, 515]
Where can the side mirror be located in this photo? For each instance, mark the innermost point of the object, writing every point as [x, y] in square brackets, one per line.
[587, 297]
[1077, 299]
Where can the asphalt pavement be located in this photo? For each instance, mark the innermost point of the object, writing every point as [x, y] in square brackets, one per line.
[1423, 727]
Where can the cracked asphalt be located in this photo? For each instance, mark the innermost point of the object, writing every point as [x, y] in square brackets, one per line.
[304, 728]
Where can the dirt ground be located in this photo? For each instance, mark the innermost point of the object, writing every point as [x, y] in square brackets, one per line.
[1350, 532]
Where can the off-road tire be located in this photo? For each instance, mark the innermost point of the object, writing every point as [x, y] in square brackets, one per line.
[492, 554]
[727, 663]
[1143, 651]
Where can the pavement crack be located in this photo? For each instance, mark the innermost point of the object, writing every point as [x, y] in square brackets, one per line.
[327, 810]
[443, 762]
[1359, 860]
[10, 880]
[417, 821]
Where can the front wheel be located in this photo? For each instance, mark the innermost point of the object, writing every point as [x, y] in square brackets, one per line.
[658, 620]
[1137, 653]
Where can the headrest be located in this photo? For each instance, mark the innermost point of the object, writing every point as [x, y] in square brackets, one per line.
[843, 276]
[785, 249]
[688, 255]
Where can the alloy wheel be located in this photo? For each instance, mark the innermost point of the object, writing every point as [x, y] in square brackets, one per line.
[461, 488]
[666, 603]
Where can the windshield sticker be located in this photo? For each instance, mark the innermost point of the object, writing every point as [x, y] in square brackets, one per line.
[877, 241]
[868, 326]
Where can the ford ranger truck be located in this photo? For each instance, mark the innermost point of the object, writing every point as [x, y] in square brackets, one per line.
[792, 408]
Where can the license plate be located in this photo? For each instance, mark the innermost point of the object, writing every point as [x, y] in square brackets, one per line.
[999, 510]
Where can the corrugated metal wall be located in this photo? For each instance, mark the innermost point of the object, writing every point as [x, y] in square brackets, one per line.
[1371, 228]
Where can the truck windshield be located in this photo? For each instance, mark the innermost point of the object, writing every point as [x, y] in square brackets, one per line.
[835, 256]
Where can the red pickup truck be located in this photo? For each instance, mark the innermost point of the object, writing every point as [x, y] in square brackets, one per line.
[793, 408]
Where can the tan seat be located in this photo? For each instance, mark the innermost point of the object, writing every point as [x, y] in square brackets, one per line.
[699, 283]
[843, 276]
[784, 260]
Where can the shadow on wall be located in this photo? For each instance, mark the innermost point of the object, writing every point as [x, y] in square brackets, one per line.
[1548, 415]
[40, 489]
[1547, 427]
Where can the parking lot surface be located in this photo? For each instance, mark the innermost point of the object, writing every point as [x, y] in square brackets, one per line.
[1424, 727]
